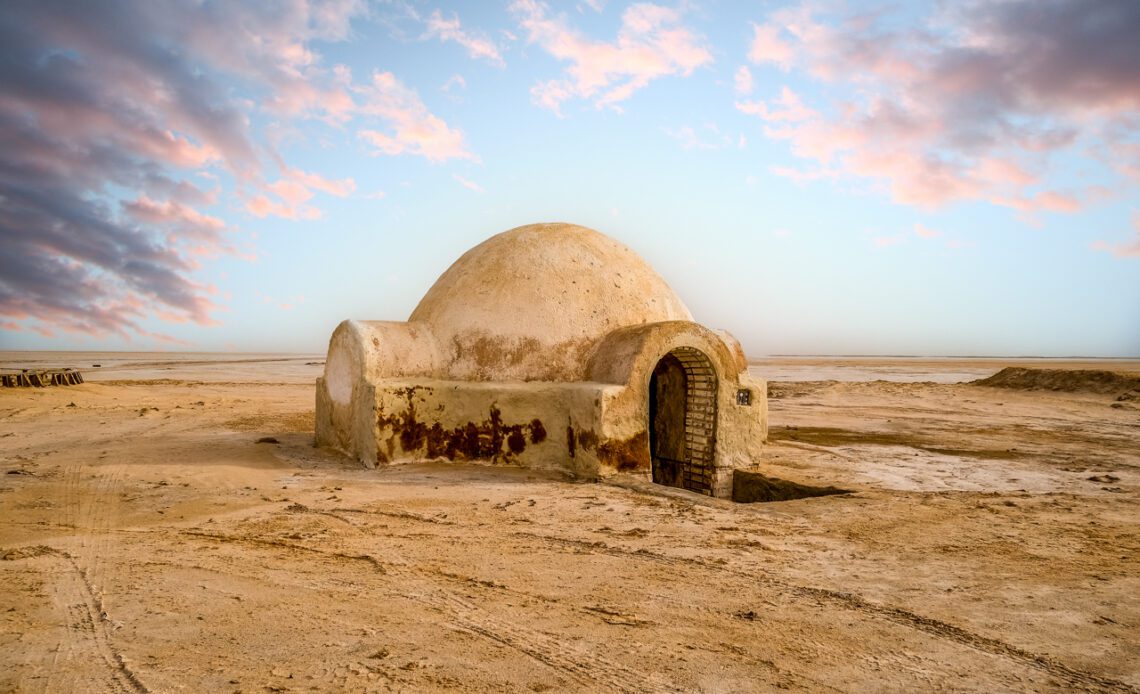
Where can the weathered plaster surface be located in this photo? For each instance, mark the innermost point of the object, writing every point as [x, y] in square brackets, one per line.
[530, 303]
[516, 423]
[362, 353]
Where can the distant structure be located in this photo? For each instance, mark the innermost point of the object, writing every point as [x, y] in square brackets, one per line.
[547, 346]
[39, 378]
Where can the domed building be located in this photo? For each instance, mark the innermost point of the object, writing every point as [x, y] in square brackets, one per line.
[547, 346]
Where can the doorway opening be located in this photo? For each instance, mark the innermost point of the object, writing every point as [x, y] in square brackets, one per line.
[682, 420]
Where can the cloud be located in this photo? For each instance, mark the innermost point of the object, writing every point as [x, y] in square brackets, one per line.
[477, 45]
[292, 192]
[791, 109]
[182, 219]
[117, 122]
[925, 233]
[971, 104]
[412, 129]
[742, 80]
[768, 47]
[469, 185]
[651, 43]
[454, 81]
[340, 188]
[707, 137]
[1129, 249]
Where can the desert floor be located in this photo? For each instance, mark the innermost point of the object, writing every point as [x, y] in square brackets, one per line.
[991, 542]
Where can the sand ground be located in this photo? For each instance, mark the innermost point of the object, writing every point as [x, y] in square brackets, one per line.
[991, 543]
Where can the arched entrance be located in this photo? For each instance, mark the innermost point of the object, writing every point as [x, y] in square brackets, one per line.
[682, 420]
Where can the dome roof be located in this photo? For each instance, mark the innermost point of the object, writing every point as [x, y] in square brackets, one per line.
[529, 303]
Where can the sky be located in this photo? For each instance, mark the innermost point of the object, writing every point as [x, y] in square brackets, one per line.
[943, 178]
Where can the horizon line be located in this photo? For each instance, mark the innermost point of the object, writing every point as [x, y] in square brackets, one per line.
[749, 358]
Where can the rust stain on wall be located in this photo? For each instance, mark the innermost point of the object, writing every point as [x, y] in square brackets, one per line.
[537, 431]
[516, 441]
[469, 441]
[626, 454]
[491, 355]
[496, 352]
[587, 439]
[623, 454]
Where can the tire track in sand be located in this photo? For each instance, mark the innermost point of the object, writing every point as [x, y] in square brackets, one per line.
[89, 502]
[87, 637]
[584, 667]
[851, 601]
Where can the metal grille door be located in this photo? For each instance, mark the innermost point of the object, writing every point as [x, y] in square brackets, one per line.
[700, 419]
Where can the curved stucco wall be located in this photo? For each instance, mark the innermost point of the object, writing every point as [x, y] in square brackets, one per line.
[532, 302]
[360, 354]
[378, 349]
[627, 358]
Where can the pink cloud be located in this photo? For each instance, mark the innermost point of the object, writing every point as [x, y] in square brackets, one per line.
[109, 128]
[113, 133]
[340, 188]
[1031, 205]
[477, 45]
[280, 58]
[742, 80]
[1003, 172]
[293, 192]
[168, 339]
[651, 43]
[972, 107]
[412, 129]
[926, 233]
[1128, 249]
[182, 217]
[791, 108]
[262, 206]
[1057, 202]
[768, 47]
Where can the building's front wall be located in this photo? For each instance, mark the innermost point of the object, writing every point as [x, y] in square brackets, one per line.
[592, 429]
[526, 424]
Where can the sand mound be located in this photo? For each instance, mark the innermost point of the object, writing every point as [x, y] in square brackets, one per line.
[1069, 381]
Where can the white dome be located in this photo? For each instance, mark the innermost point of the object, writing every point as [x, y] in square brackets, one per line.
[530, 303]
